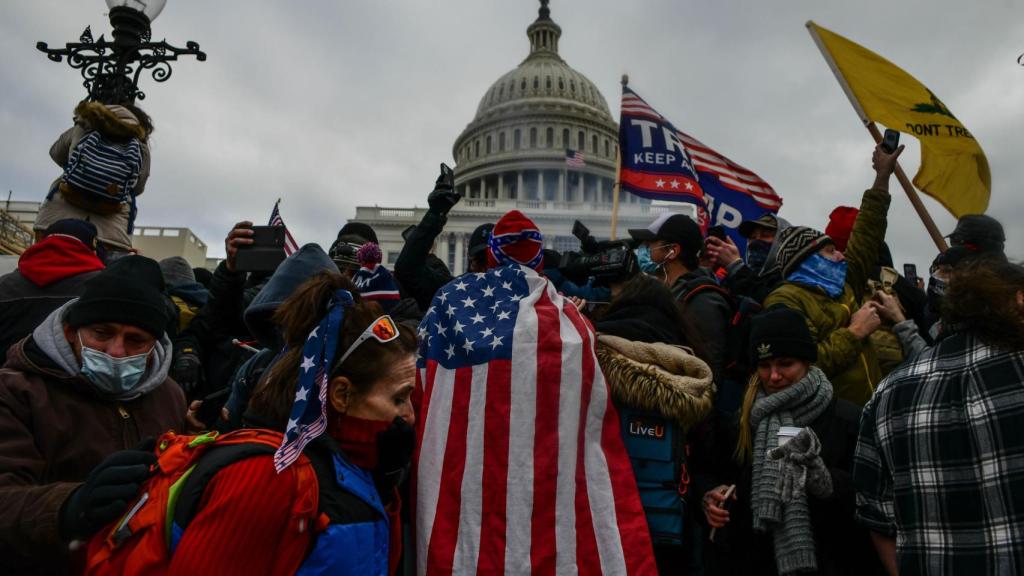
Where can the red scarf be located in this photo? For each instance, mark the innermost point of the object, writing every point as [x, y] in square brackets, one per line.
[357, 438]
[55, 258]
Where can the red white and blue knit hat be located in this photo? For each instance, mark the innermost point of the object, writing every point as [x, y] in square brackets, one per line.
[515, 240]
[373, 280]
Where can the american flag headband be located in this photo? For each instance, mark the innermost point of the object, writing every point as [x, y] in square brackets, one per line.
[308, 417]
[497, 244]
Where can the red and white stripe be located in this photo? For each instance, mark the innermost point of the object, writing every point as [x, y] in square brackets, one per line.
[634, 105]
[729, 173]
[520, 467]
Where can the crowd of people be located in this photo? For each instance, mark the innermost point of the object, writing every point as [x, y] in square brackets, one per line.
[800, 409]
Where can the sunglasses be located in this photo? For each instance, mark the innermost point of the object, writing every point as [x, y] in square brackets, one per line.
[382, 330]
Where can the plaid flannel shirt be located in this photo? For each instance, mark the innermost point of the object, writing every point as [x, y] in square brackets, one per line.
[940, 460]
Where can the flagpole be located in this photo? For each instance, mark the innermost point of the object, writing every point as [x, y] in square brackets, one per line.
[908, 187]
[618, 174]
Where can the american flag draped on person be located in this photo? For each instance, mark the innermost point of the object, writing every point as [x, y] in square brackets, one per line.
[520, 468]
[290, 246]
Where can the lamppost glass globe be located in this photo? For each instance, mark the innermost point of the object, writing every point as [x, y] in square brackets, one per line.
[151, 8]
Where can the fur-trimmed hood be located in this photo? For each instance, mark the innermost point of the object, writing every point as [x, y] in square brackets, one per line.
[113, 121]
[657, 377]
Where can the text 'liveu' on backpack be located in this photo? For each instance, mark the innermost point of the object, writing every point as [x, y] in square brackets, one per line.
[657, 449]
[143, 540]
[101, 175]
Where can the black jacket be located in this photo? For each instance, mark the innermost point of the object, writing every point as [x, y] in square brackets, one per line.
[742, 281]
[707, 313]
[419, 274]
[843, 547]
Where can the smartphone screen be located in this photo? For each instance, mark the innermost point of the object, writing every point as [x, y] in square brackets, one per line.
[910, 273]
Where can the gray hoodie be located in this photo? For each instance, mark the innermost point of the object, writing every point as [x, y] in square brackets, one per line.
[49, 336]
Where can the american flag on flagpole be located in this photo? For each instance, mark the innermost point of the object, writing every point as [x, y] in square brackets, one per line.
[520, 466]
[574, 158]
[290, 246]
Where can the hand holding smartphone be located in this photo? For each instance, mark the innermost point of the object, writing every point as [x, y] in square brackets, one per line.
[721, 497]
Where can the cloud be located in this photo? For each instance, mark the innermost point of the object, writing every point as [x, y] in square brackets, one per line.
[332, 105]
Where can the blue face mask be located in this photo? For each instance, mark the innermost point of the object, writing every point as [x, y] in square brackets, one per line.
[819, 271]
[112, 376]
[757, 254]
[643, 259]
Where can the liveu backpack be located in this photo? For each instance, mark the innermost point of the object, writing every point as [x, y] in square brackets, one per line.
[143, 540]
[657, 449]
[102, 173]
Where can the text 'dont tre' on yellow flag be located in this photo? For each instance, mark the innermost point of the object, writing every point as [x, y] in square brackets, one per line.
[953, 169]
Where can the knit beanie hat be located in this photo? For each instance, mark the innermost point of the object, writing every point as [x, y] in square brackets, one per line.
[796, 244]
[130, 291]
[177, 271]
[781, 332]
[364, 231]
[374, 281]
[515, 239]
[840, 225]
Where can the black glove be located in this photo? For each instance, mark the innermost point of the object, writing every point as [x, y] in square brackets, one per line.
[443, 197]
[187, 370]
[107, 492]
[394, 454]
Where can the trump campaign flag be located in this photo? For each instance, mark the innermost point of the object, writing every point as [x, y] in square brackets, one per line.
[662, 163]
[520, 466]
[654, 163]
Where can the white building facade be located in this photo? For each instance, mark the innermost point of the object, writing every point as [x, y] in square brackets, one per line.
[512, 156]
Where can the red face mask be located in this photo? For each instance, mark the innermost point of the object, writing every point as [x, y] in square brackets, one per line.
[357, 438]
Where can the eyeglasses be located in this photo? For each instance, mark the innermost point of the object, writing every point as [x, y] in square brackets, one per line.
[382, 330]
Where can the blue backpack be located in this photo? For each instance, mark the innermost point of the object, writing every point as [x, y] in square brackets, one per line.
[101, 175]
[657, 448]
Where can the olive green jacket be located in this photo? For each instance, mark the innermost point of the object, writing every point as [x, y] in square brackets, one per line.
[850, 363]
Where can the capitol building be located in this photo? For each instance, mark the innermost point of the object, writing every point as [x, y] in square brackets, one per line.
[512, 156]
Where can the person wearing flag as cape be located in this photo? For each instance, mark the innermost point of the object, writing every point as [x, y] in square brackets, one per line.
[520, 467]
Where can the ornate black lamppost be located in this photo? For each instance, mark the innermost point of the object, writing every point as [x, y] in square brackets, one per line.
[111, 69]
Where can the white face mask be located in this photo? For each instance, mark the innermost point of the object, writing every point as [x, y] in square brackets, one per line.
[113, 376]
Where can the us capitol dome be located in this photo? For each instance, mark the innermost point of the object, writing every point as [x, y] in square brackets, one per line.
[512, 156]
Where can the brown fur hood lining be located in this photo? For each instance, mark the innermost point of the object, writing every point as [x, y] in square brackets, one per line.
[658, 377]
[116, 122]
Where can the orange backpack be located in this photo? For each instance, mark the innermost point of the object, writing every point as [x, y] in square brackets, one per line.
[140, 542]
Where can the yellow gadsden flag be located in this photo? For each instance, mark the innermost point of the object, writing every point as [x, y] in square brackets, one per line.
[954, 169]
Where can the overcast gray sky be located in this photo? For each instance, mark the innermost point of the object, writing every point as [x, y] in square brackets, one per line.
[331, 105]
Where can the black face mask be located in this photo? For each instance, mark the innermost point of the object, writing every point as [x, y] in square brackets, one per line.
[757, 254]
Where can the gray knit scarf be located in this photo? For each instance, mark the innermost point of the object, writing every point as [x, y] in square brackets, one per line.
[788, 521]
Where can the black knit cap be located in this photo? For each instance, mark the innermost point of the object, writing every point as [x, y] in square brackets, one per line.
[796, 244]
[129, 291]
[478, 239]
[980, 232]
[781, 332]
[364, 231]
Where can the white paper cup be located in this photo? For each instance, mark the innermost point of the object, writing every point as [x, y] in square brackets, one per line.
[786, 433]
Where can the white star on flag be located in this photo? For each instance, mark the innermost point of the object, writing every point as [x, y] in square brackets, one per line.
[292, 424]
[443, 297]
[313, 333]
[659, 183]
[467, 345]
[489, 291]
[477, 319]
[450, 311]
[307, 363]
[487, 332]
[506, 285]
[468, 302]
[503, 315]
[440, 329]
[689, 186]
[461, 285]
[675, 184]
[301, 394]
[458, 327]
[450, 351]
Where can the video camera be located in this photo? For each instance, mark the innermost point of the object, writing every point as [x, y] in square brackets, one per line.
[606, 262]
